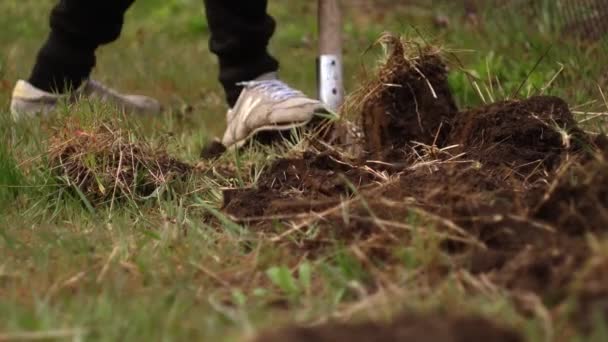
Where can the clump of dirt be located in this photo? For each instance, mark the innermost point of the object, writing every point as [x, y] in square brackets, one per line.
[405, 328]
[311, 182]
[106, 164]
[214, 149]
[409, 101]
[519, 134]
[577, 200]
[479, 200]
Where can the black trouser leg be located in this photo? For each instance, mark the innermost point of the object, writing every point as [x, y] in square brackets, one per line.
[78, 27]
[240, 31]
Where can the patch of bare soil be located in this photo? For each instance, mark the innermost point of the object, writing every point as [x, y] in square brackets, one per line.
[311, 182]
[513, 189]
[404, 328]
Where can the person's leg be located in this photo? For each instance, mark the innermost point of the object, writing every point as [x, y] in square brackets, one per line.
[77, 28]
[262, 106]
[240, 31]
[67, 58]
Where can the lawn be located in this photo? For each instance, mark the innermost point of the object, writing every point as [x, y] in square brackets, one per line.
[174, 266]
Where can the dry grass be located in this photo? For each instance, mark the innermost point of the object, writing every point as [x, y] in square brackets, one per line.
[106, 163]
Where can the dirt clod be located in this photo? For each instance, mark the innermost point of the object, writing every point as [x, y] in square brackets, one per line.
[409, 102]
[213, 149]
[512, 190]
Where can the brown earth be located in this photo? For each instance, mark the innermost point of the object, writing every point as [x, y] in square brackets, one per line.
[404, 328]
[518, 133]
[515, 188]
[408, 102]
[591, 291]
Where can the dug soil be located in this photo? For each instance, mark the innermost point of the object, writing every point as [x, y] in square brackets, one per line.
[404, 328]
[514, 189]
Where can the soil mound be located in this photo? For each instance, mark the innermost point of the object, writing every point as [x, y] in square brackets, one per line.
[404, 328]
[518, 133]
[512, 189]
[577, 200]
[312, 182]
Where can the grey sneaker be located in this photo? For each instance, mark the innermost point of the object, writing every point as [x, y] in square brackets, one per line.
[267, 104]
[28, 101]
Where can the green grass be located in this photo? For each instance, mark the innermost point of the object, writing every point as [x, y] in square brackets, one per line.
[161, 269]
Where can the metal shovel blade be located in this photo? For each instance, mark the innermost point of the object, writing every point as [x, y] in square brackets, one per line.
[329, 63]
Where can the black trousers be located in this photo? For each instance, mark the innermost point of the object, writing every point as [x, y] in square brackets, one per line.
[240, 31]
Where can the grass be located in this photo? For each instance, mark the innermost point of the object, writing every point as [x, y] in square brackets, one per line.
[162, 269]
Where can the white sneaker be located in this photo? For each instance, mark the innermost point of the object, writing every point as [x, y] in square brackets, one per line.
[28, 101]
[267, 104]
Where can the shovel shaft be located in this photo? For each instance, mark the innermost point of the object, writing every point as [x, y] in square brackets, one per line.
[329, 70]
[330, 27]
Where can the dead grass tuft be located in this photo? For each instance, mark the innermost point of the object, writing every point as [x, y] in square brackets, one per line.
[105, 163]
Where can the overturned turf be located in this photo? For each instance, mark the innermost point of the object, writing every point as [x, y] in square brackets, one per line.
[408, 102]
[512, 189]
[104, 164]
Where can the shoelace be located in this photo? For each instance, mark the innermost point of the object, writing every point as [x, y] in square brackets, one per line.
[275, 89]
